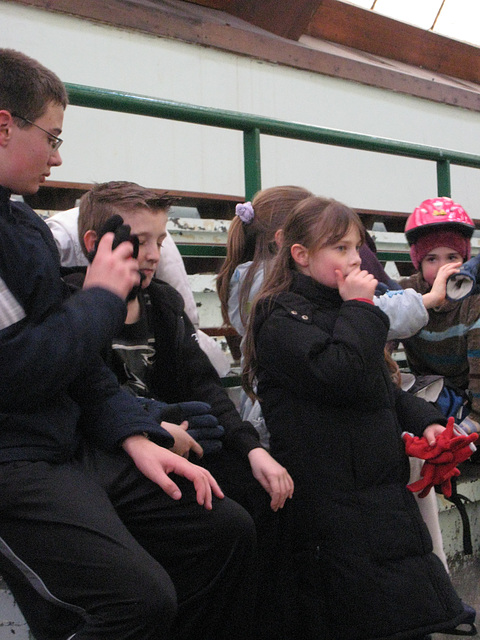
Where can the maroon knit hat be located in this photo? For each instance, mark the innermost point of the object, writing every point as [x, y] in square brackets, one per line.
[439, 238]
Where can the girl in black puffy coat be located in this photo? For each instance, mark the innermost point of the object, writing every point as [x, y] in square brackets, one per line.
[355, 557]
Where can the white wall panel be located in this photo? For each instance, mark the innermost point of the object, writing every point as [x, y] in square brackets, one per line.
[101, 145]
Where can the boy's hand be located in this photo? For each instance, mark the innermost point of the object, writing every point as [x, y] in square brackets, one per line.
[202, 425]
[156, 463]
[184, 442]
[357, 284]
[114, 270]
[438, 292]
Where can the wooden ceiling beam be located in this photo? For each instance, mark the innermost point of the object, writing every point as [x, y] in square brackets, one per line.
[198, 25]
[283, 17]
[370, 32]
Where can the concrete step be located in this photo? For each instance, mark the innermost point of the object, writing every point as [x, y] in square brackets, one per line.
[468, 485]
[12, 622]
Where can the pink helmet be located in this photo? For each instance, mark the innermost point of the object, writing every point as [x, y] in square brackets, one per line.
[438, 212]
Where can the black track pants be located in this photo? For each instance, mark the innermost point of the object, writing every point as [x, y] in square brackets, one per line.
[111, 557]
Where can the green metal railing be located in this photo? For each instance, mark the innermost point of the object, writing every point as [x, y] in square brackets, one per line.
[255, 126]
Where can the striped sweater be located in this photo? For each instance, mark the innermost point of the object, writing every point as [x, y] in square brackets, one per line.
[449, 345]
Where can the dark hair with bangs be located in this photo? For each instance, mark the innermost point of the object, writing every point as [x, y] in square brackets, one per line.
[116, 197]
[319, 222]
[315, 223]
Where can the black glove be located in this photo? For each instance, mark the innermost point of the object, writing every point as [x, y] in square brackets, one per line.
[207, 432]
[462, 284]
[123, 233]
[202, 425]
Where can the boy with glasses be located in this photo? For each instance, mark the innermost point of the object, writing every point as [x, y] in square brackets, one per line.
[96, 539]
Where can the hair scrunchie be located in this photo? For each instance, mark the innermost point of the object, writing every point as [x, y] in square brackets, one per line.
[245, 212]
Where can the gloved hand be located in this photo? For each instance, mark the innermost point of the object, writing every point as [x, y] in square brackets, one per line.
[463, 283]
[123, 233]
[441, 459]
[202, 425]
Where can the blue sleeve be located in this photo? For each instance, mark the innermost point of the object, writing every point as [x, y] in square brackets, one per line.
[405, 310]
[238, 278]
[109, 413]
[40, 359]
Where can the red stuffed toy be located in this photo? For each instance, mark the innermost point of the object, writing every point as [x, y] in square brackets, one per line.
[441, 459]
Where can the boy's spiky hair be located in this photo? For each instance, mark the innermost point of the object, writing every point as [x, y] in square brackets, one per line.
[109, 198]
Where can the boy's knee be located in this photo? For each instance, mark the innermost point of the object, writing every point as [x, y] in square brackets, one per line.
[157, 603]
[237, 525]
[148, 606]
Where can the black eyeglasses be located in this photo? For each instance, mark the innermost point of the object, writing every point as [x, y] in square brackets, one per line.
[54, 141]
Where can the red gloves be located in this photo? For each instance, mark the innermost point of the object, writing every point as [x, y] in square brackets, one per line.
[441, 459]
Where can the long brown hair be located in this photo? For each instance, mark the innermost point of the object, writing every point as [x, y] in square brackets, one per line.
[393, 368]
[315, 223]
[255, 241]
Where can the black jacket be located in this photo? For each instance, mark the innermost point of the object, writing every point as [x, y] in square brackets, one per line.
[183, 372]
[361, 556]
[51, 372]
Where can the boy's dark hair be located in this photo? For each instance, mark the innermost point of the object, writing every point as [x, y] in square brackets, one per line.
[111, 198]
[27, 87]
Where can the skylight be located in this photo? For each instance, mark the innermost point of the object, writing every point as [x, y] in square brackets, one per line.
[457, 19]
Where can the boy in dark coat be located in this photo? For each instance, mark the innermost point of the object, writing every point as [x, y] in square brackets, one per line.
[156, 354]
[96, 539]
